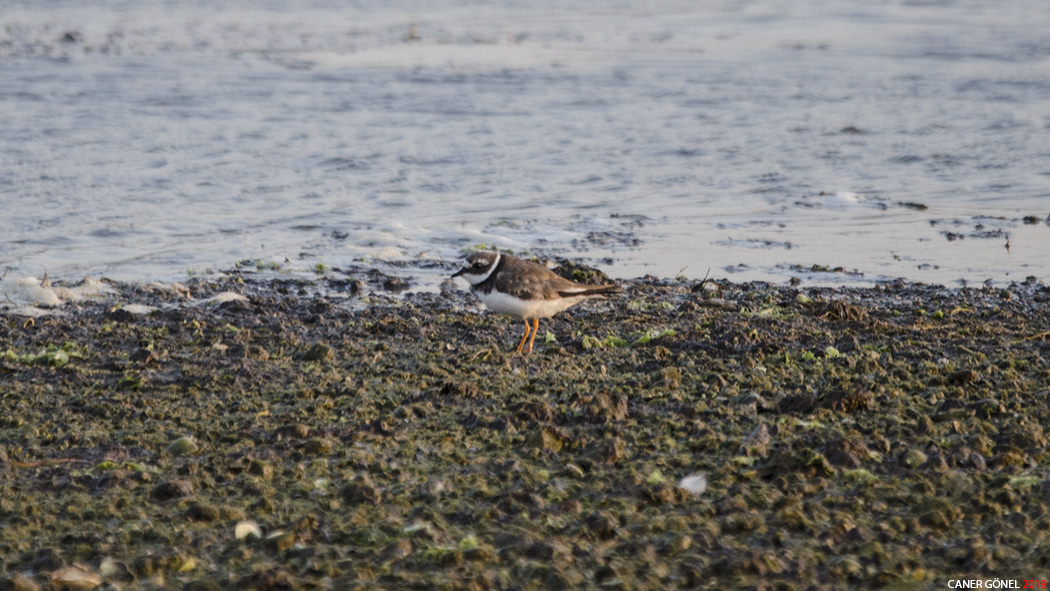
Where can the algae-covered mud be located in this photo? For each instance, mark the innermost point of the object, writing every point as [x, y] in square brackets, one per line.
[682, 435]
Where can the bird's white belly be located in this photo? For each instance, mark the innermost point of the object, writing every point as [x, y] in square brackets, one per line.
[511, 306]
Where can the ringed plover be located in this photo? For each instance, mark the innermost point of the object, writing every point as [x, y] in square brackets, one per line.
[523, 289]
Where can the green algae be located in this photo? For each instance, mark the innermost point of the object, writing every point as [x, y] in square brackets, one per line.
[51, 355]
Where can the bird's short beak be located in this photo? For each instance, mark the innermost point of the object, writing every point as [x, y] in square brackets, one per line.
[460, 272]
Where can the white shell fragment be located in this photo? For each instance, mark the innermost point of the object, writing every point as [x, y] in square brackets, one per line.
[694, 483]
[222, 298]
[246, 528]
[75, 577]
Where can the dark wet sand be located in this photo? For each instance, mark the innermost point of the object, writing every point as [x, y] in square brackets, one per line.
[892, 437]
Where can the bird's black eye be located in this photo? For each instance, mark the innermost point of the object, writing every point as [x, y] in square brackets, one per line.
[478, 265]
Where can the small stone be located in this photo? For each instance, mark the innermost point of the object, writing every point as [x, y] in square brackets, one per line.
[802, 403]
[750, 402]
[756, 442]
[298, 431]
[183, 446]
[18, 582]
[401, 548]
[1009, 457]
[963, 376]
[395, 284]
[270, 580]
[75, 578]
[848, 400]
[143, 356]
[481, 553]
[816, 462]
[47, 559]
[977, 461]
[679, 543]
[545, 439]
[609, 407]
[913, 458]
[362, 490]
[253, 352]
[317, 447]
[203, 512]
[601, 525]
[115, 570]
[849, 566]
[261, 468]
[609, 451]
[935, 462]
[175, 489]
[281, 540]
[987, 408]
[319, 352]
[844, 458]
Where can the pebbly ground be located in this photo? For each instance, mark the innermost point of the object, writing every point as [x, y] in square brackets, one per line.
[892, 437]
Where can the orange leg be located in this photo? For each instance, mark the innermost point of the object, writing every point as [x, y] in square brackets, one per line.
[523, 338]
[535, 328]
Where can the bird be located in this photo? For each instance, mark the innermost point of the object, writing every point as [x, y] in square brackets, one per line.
[524, 289]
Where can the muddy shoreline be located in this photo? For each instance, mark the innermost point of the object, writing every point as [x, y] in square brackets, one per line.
[887, 437]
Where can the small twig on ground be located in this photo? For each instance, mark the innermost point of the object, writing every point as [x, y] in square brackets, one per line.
[704, 280]
[1039, 336]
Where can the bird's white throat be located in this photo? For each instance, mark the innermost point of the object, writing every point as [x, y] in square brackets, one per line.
[476, 279]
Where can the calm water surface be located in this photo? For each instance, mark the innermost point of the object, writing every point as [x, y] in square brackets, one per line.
[143, 140]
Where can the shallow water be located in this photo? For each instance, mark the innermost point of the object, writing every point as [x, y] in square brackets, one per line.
[145, 140]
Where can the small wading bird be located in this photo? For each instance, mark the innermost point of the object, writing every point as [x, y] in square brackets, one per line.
[523, 289]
